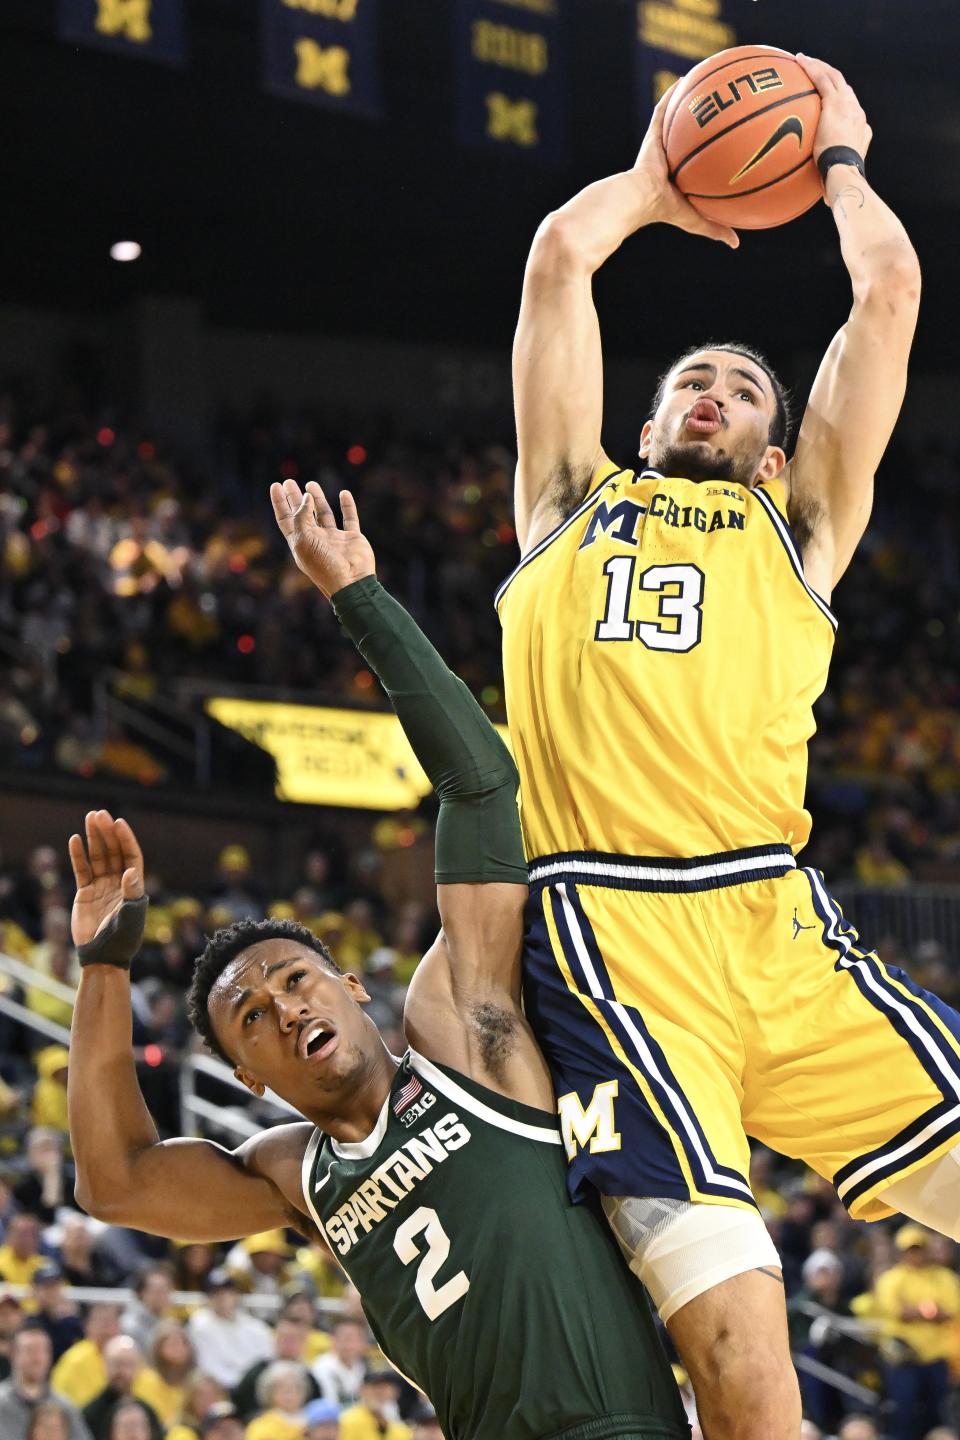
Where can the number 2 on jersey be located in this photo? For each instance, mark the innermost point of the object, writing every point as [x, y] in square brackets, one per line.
[433, 1299]
[681, 609]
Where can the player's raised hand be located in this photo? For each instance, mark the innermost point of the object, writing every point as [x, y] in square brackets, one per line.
[329, 556]
[108, 870]
[672, 207]
[842, 121]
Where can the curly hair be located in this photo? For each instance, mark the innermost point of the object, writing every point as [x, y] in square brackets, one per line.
[782, 422]
[222, 947]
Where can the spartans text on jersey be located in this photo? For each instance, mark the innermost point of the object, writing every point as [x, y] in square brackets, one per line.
[393, 1180]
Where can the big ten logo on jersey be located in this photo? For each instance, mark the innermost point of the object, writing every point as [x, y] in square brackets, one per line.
[705, 108]
[594, 1126]
[127, 18]
[412, 1101]
[392, 1181]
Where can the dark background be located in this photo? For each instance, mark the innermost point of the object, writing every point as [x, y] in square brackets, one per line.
[286, 217]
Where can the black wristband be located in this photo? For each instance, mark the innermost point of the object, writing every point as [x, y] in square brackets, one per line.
[839, 155]
[120, 939]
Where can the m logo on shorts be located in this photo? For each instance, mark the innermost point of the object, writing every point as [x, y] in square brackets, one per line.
[594, 1126]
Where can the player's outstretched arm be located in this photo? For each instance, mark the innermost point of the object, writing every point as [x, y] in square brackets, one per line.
[470, 768]
[473, 970]
[183, 1189]
[859, 389]
[557, 360]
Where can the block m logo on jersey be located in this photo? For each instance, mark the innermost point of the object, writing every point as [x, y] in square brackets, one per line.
[620, 519]
[127, 18]
[594, 1126]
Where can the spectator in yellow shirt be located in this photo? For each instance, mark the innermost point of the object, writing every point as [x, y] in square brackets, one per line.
[376, 1417]
[20, 1257]
[55, 958]
[162, 1384]
[282, 1391]
[81, 1371]
[260, 1264]
[917, 1299]
[200, 1394]
[49, 1104]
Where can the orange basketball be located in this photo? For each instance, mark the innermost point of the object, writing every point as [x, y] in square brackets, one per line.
[739, 134]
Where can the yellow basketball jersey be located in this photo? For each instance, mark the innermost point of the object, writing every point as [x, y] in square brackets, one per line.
[662, 653]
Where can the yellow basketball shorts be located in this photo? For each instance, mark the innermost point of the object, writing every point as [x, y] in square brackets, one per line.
[685, 1005]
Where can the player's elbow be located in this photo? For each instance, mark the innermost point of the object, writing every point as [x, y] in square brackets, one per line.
[105, 1203]
[557, 249]
[87, 1200]
[894, 277]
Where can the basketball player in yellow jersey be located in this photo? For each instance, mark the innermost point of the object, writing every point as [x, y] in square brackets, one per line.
[665, 636]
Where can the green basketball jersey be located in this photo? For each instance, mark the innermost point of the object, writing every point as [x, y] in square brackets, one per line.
[512, 1309]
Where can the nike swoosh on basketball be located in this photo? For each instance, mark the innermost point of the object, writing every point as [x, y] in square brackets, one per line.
[792, 125]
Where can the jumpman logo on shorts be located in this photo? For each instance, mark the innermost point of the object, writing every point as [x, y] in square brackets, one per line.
[797, 927]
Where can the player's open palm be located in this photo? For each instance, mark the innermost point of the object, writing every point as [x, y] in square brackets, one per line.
[108, 869]
[329, 556]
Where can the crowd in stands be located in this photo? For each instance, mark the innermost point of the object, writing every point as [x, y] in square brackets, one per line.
[880, 1305]
[122, 557]
[126, 559]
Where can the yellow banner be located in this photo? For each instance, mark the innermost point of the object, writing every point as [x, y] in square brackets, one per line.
[349, 758]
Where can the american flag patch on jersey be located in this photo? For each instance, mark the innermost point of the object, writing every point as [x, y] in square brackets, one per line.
[407, 1095]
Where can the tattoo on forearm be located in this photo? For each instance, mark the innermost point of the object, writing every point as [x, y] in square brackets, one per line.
[773, 1274]
[851, 193]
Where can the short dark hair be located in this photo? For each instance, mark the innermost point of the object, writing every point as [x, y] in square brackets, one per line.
[782, 422]
[32, 1325]
[222, 947]
[153, 1267]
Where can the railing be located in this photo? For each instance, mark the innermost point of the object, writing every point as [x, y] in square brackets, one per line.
[265, 1305]
[34, 980]
[194, 1107]
[910, 914]
[236, 1121]
[177, 730]
[867, 1333]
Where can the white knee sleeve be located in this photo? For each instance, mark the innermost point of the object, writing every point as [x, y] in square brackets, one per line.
[679, 1250]
[931, 1194]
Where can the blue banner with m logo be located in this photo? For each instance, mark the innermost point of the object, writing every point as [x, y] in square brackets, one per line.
[511, 95]
[145, 29]
[323, 52]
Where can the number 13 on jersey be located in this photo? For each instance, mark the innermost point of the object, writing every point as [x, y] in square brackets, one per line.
[679, 620]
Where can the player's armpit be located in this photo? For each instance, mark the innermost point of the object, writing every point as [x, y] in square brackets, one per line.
[188, 1189]
[463, 1005]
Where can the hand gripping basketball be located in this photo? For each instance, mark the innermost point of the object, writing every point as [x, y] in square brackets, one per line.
[672, 208]
[842, 120]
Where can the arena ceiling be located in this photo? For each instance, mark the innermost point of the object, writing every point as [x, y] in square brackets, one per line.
[284, 217]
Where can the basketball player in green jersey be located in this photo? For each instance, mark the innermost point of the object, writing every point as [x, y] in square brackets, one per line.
[437, 1180]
